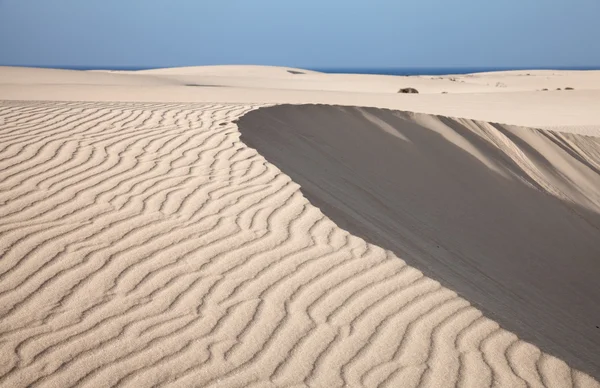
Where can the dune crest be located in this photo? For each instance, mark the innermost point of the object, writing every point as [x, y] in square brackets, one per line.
[509, 217]
[144, 244]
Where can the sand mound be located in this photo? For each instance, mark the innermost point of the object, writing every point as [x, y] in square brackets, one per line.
[231, 70]
[508, 217]
[146, 245]
[20, 77]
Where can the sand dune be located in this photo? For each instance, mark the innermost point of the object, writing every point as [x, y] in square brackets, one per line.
[144, 244]
[509, 217]
[231, 70]
[521, 102]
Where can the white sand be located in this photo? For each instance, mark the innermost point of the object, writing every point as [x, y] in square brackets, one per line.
[144, 244]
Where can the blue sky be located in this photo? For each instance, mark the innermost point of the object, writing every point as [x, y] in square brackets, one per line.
[302, 33]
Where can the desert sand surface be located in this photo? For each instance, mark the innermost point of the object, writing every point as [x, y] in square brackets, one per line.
[492, 210]
[182, 227]
[522, 102]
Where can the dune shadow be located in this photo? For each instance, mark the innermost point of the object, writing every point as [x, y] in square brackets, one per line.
[527, 259]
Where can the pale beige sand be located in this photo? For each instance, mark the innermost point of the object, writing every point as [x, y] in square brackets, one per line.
[521, 103]
[143, 244]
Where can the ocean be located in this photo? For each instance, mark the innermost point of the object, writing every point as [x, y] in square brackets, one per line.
[369, 70]
[440, 70]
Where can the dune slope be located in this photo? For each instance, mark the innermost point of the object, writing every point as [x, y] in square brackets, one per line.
[144, 245]
[508, 217]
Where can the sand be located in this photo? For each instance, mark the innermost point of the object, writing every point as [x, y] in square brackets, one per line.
[468, 97]
[154, 233]
[465, 202]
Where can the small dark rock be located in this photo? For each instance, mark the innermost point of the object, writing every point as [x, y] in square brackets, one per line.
[408, 90]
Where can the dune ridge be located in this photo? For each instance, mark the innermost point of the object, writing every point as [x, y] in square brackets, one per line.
[144, 244]
[509, 217]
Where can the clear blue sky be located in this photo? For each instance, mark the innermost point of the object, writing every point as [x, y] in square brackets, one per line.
[302, 33]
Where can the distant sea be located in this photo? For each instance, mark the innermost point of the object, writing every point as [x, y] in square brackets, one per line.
[440, 70]
[371, 70]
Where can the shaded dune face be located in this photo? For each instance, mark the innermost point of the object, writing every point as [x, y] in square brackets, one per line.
[145, 245]
[507, 217]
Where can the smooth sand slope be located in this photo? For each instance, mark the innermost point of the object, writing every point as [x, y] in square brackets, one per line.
[509, 217]
[145, 244]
